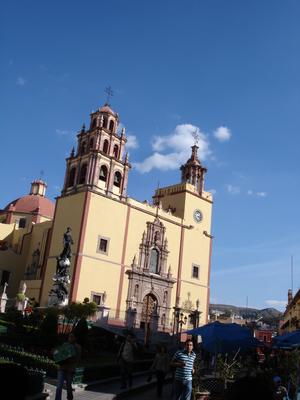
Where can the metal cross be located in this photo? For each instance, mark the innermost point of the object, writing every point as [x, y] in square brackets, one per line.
[108, 90]
[196, 136]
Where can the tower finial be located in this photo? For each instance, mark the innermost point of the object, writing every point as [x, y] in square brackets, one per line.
[196, 136]
[109, 92]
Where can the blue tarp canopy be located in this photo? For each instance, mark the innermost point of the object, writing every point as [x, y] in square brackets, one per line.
[225, 338]
[287, 340]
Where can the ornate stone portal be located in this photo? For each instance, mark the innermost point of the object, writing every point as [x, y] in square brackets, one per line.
[150, 282]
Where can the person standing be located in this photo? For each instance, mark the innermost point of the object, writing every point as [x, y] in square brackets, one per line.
[126, 359]
[160, 366]
[67, 368]
[183, 361]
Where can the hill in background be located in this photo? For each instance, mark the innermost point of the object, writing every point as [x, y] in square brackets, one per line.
[269, 316]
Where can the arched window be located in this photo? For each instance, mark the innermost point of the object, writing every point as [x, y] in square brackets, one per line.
[71, 179]
[111, 125]
[154, 257]
[116, 151]
[117, 179]
[94, 124]
[91, 143]
[105, 146]
[103, 173]
[105, 122]
[83, 148]
[82, 174]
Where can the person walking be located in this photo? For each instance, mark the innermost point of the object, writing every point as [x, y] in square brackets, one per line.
[126, 359]
[160, 367]
[183, 361]
[67, 368]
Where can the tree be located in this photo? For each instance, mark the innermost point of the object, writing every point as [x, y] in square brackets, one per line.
[74, 312]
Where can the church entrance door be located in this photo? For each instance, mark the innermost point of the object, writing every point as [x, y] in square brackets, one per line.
[149, 313]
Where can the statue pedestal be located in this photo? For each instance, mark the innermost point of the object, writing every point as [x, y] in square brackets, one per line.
[131, 317]
[103, 314]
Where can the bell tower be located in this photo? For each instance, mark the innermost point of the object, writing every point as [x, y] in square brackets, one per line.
[192, 171]
[99, 163]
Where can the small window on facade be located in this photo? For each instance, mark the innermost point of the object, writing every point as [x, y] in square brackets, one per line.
[91, 143]
[103, 244]
[105, 146]
[117, 179]
[116, 151]
[103, 173]
[111, 125]
[94, 124]
[195, 271]
[82, 174]
[105, 122]
[97, 298]
[22, 223]
[4, 277]
[72, 177]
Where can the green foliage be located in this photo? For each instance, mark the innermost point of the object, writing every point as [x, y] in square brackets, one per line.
[18, 355]
[74, 312]
[20, 297]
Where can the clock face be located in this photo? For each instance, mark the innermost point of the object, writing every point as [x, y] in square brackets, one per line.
[198, 216]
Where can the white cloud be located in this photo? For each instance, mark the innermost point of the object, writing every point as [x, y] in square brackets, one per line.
[276, 303]
[21, 81]
[251, 192]
[222, 134]
[132, 142]
[261, 194]
[62, 132]
[233, 189]
[212, 191]
[179, 144]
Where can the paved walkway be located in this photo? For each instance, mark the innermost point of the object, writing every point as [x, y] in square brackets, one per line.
[106, 391]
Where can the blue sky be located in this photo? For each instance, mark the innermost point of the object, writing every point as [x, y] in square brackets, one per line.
[228, 68]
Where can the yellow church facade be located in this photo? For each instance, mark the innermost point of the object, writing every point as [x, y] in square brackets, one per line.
[137, 259]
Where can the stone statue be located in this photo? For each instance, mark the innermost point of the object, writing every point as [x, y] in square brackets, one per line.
[67, 242]
[58, 295]
[3, 299]
[24, 287]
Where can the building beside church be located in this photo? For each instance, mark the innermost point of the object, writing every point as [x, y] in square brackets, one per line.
[149, 263]
[291, 316]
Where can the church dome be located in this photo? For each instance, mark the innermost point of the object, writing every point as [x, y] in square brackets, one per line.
[106, 109]
[35, 202]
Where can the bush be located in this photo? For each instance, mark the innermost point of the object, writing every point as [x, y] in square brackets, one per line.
[32, 360]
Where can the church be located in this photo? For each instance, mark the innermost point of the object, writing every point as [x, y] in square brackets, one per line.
[143, 261]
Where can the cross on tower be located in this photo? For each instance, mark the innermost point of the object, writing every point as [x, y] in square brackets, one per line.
[196, 136]
[108, 90]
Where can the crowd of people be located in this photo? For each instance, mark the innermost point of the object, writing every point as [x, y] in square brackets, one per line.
[259, 377]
